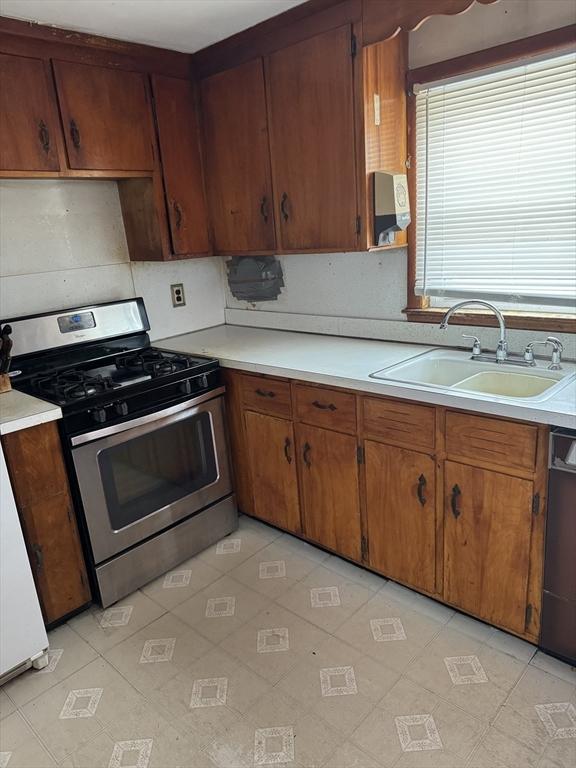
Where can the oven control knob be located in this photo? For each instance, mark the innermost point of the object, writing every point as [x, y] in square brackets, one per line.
[186, 387]
[99, 415]
[204, 381]
[121, 408]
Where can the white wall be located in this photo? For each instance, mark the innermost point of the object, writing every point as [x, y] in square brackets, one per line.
[363, 294]
[62, 244]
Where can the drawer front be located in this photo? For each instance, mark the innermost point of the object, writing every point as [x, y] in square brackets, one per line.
[326, 408]
[267, 396]
[491, 440]
[399, 423]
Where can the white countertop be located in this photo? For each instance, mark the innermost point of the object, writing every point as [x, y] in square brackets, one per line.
[345, 362]
[20, 411]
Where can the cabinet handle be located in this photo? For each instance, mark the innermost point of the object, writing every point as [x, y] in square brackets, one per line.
[264, 209]
[38, 556]
[283, 202]
[324, 406]
[265, 393]
[177, 214]
[287, 450]
[421, 489]
[75, 134]
[456, 493]
[306, 454]
[44, 136]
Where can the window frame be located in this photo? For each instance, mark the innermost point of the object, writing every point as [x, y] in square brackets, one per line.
[418, 308]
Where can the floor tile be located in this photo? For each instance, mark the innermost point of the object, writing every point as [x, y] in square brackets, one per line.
[325, 598]
[20, 747]
[218, 711]
[103, 629]
[234, 748]
[341, 686]
[497, 750]
[234, 549]
[554, 667]
[273, 570]
[314, 739]
[68, 652]
[303, 548]
[513, 646]
[349, 756]
[73, 712]
[7, 706]
[410, 719]
[302, 638]
[247, 523]
[156, 653]
[181, 583]
[355, 573]
[468, 674]
[389, 631]
[221, 608]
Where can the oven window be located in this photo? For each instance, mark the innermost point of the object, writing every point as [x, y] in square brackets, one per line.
[148, 472]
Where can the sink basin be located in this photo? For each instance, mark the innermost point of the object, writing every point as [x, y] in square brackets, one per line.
[448, 369]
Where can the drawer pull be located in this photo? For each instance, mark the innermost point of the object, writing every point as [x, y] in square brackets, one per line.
[283, 209]
[420, 490]
[287, 450]
[324, 406]
[456, 493]
[264, 209]
[306, 454]
[265, 393]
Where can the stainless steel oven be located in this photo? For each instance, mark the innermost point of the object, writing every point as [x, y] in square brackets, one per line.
[154, 490]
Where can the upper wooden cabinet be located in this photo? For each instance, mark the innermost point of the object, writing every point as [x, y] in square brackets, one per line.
[179, 139]
[311, 106]
[28, 120]
[238, 160]
[106, 117]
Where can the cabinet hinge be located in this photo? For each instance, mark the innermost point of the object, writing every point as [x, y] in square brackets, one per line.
[358, 224]
[360, 454]
[364, 547]
[353, 46]
[528, 615]
[536, 504]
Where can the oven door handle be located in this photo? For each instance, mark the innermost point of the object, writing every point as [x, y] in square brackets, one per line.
[116, 429]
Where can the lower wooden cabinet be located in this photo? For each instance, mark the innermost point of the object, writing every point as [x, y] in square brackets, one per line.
[40, 485]
[487, 532]
[400, 488]
[401, 514]
[270, 446]
[328, 468]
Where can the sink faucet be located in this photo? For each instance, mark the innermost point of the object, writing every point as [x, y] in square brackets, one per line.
[502, 348]
[557, 349]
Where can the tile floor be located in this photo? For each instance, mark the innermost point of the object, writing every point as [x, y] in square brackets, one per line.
[265, 651]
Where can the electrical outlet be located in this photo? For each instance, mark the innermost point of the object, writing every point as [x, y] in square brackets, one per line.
[177, 291]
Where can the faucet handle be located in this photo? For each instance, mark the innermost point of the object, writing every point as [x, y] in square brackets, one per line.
[476, 348]
[556, 343]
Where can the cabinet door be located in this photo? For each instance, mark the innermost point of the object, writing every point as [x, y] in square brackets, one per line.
[487, 531]
[181, 164]
[38, 475]
[106, 117]
[28, 122]
[311, 99]
[238, 159]
[270, 443]
[400, 510]
[328, 465]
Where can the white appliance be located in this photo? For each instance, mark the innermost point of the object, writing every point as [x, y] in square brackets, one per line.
[23, 640]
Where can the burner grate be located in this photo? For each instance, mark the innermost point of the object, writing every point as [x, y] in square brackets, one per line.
[73, 385]
[153, 362]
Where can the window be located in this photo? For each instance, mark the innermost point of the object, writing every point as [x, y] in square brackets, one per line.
[496, 186]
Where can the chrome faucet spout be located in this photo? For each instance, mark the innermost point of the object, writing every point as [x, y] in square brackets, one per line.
[502, 349]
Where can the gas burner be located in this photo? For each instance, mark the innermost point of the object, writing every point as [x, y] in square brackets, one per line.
[153, 362]
[74, 385]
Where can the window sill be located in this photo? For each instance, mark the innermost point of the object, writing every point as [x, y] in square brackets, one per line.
[518, 320]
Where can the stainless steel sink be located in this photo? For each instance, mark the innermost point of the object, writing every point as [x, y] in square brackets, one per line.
[449, 369]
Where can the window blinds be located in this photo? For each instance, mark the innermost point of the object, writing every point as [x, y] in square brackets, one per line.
[496, 185]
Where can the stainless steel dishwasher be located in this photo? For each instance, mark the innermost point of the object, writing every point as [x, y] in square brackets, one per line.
[558, 629]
